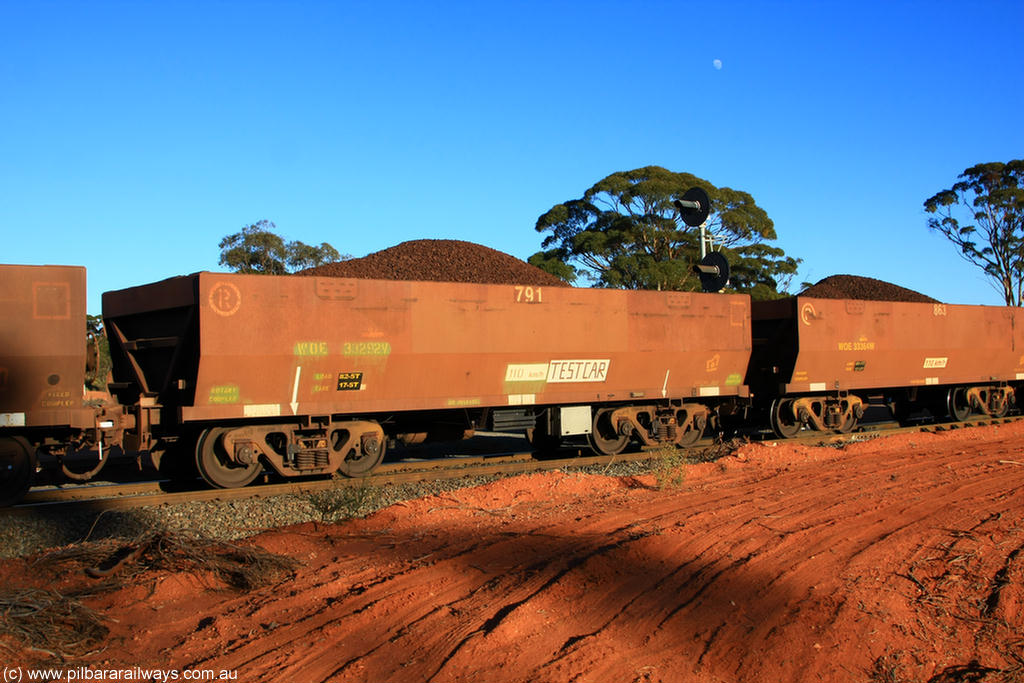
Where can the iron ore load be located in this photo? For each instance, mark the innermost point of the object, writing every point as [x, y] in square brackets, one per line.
[323, 372]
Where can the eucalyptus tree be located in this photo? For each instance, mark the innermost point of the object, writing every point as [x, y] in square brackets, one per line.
[257, 248]
[983, 216]
[625, 232]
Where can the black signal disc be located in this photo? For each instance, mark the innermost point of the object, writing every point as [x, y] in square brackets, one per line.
[712, 281]
[694, 217]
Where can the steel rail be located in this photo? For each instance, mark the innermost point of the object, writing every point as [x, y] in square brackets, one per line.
[134, 495]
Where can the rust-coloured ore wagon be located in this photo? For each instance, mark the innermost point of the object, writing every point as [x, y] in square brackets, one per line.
[42, 357]
[313, 375]
[42, 366]
[815, 362]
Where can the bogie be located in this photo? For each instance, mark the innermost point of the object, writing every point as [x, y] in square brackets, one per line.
[838, 413]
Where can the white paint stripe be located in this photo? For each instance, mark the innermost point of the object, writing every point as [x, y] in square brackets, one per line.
[664, 386]
[818, 386]
[295, 391]
[709, 391]
[931, 380]
[262, 410]
[12, 419]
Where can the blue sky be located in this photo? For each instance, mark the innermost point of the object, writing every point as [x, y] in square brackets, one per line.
[135, 135]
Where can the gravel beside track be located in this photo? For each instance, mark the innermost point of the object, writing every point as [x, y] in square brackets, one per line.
[43, 529]
[24, 533]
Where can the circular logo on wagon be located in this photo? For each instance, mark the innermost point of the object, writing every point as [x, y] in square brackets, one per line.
[225, 299]
[807, 314]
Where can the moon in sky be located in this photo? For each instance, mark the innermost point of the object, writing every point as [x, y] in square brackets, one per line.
[717, 64]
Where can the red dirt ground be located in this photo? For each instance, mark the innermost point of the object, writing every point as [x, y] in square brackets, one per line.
[897, 559]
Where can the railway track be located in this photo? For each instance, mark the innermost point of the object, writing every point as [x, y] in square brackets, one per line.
[151, 493]
[126, 496]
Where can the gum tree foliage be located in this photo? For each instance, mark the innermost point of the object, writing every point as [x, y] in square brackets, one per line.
[624, 232]
[983, 215]
[97, 357]
[257, 248]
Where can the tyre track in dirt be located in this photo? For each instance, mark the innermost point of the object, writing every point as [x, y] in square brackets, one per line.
[901, 555]
[695, 584]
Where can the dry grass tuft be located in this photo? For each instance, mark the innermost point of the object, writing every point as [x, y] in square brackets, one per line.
[49, 622]
[59, 625]
[240, 567]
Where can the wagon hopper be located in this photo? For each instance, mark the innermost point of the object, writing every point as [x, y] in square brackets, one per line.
[817, 360]
[313, 375]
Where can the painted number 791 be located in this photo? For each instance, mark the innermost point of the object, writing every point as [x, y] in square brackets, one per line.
[529, 295]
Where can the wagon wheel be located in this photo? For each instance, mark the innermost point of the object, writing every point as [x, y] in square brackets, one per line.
[693, 432]
[784, 424]
[216, 468]
[17, 467]
[604, 437]
[957, 405]
[358, 462]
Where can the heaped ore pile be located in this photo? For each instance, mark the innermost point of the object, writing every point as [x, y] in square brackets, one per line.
[856, 287]
[440, 261]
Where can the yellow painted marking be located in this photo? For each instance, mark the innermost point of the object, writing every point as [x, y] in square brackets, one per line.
[225, 393]
[366, 348]
[464, 402]
[311, 348]
[857, 346]
[528, 295]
